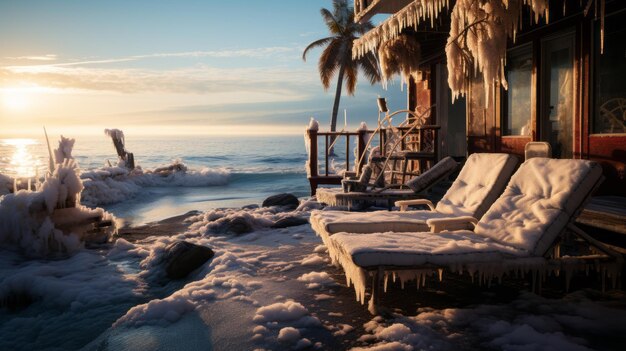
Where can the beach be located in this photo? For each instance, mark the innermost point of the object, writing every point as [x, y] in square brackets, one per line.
[265, 287]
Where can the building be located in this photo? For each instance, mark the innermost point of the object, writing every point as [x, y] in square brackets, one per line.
[564, 62]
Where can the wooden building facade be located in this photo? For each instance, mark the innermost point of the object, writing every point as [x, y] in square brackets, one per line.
[565, 86]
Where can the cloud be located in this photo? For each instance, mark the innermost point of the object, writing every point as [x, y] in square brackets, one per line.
[34, 58]
[256, 53]
[198, 79]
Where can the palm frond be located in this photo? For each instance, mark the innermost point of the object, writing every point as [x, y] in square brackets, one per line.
[330, 60]
[320, 42]
[331, 22]
[351, 74]
[369, 65]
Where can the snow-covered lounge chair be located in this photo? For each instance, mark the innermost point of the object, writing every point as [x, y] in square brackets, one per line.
[519, 232]
[481, 180]
[387, 196]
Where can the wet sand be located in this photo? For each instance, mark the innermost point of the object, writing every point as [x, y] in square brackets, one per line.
[453, 292]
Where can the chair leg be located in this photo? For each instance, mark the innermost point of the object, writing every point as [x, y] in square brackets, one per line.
[378, 281]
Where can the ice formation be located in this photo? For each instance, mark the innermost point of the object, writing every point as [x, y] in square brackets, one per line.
[478, 40]
[64, 152]
[50, 220]
[400, 55]
[411, 16]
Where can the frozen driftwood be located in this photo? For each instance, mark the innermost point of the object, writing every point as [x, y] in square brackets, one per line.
[118, 141]
[50, 220]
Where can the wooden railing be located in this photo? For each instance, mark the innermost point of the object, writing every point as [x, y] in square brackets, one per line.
[315, 178]
[400, 151]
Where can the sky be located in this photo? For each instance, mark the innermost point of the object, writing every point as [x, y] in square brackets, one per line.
[169, 67]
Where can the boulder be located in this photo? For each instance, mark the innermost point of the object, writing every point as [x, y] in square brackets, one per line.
[290, 222]
[239, 225]
[16, 301]
[182, 258]
[285, 200]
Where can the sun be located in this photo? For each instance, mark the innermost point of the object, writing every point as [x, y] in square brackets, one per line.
[16, 99]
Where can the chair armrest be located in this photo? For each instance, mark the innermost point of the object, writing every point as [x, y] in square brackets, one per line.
[404, 204]
[454, 223]
[392, 186]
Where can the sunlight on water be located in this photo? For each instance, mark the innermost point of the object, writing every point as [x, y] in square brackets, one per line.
[18, 158]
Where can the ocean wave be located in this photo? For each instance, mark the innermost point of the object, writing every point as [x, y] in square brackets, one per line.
[275, 159]
[115, 184]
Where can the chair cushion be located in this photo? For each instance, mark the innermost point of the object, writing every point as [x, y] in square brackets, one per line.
[415, 249]
[435, 174]
[481, 180]
[538, 203]
[332, 222]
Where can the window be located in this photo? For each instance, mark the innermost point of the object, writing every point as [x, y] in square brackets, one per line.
[518, 105]
[610, 76]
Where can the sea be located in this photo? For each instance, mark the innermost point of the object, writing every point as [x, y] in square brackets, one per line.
[256, 167]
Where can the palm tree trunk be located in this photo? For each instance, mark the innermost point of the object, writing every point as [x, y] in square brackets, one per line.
[333, 117]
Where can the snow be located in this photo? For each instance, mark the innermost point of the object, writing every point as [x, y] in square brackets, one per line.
[302, 344]
[255, 294]
[539, 200]
[313, 260]
[316, 280]
[280, 312]
[530, 322]
[343, 328]
[391, 346]
[288, 335]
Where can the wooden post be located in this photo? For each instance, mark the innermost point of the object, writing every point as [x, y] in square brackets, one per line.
[360, 149]
[347, 152]
[312, 134]
[312, 152]
[326, 157]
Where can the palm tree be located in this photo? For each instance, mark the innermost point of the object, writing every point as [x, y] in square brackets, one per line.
[337, 55]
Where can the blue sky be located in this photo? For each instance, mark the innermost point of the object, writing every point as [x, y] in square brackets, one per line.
[172, 67]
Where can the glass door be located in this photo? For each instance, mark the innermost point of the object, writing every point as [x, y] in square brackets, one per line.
[556, 122]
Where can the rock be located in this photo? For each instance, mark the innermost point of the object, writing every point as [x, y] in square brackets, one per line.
[250, 207]
[182, 258]
[239, 225]
[285, 200]
[16, 301]
[290, 222]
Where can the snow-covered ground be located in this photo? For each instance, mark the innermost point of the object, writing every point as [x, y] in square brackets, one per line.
[274, 289]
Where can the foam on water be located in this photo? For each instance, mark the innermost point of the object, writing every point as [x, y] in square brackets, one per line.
[221, 172]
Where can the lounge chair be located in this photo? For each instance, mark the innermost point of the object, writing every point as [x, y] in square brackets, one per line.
[387, 196]
[520, 232]
[481, 180]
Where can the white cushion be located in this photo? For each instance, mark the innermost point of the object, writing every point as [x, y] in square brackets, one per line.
[331, 222]
[482, 179]
[479, 183]
[538, 202]
[415, 249]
